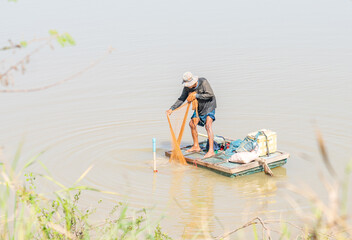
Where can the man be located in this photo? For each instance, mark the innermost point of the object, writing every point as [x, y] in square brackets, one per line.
[198, 88]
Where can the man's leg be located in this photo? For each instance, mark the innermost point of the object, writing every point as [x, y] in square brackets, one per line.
[193, 124]
[208, 127]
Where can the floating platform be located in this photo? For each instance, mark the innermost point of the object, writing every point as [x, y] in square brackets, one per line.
[220, 164]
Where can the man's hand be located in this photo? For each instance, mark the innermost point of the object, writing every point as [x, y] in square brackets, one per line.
[168, 112]
[191, 96]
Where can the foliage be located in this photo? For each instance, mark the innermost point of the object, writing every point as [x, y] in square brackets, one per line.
[26, 214]
[63, 39]
[159, 235]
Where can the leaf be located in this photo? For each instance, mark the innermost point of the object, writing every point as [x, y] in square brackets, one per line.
[69, 39]
[23, 43]
[61, 41]
[64, 39]
[53, 32]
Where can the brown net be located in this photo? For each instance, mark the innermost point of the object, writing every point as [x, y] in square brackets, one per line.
[177, 155]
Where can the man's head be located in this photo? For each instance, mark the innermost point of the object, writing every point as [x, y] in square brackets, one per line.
[189, 80]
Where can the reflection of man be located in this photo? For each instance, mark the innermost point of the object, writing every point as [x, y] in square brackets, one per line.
[198, 88]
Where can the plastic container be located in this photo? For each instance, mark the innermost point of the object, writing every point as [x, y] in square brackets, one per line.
[262, 141]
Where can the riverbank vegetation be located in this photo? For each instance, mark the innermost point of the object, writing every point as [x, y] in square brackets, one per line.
[27, 214]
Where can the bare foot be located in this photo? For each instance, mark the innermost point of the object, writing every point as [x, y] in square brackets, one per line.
[194, 149]
[209, 154]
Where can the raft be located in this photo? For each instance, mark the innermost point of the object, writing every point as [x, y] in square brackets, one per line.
[220, 164]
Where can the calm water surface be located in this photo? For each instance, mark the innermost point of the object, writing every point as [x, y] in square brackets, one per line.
[280, 65]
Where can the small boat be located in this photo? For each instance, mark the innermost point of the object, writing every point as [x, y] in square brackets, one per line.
[220, 164]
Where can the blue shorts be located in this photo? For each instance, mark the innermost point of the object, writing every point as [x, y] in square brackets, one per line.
[203, 118]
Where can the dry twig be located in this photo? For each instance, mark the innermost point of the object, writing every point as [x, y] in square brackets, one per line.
[61, 81]
[4, 77]
[255, 220]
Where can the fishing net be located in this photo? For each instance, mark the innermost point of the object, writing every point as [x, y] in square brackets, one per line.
[177, 154]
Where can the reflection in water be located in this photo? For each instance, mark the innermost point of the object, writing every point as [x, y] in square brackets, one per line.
[198, 209]
[259, 185]
[192, 199]
[259, 191]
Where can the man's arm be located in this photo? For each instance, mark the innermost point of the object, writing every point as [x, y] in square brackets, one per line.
[208, 92]
[180, 100]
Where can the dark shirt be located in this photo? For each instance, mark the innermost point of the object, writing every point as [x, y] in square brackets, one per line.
[205, 96]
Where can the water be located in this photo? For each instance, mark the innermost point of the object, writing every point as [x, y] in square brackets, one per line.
[284, 66]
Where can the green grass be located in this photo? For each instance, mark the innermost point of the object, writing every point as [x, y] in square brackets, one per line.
[27, 214]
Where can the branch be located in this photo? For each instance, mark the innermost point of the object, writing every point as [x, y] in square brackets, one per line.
[12, 46]
[61, 81]
[63, 39]
[252, 222]
[298, 227]
[6, 75]
[22, 44]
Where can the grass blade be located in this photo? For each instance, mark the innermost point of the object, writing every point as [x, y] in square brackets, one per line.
[17, 155]
[31, 161]
[325, 154]
[53, 180]
[84, 174]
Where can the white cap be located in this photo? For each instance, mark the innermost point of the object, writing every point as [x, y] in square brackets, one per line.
[189, 80]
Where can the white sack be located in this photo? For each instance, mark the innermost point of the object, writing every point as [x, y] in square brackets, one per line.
[245, 157]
